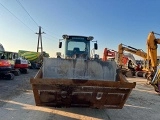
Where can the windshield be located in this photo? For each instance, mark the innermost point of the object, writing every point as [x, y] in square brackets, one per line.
[8, 55]
[77, 47]
[76, 44]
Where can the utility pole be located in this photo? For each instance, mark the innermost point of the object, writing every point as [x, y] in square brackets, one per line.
[40, 40]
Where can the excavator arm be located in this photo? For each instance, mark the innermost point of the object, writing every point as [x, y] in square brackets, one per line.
[150, 57]
[122, 48]
[152, 42]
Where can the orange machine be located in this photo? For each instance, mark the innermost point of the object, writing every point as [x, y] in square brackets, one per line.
[108, 53]
[5, 70]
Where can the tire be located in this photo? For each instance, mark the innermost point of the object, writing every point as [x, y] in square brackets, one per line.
[16, 72]
[9, 76]
[24, 71]
[33, 65]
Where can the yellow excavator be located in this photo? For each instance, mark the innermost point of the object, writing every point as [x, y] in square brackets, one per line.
[150, 57]
[138, 52]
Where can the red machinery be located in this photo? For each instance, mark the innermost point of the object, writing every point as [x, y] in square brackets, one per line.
[128, 59]
[21, 64]
[10, 63]
[112, 54]
[108, 53]
[5, 70]
[18, 65]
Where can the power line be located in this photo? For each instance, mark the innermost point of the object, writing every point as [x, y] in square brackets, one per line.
[16, 17]
[50, 34]
[32, 17]
[27, 12]
[47, 38]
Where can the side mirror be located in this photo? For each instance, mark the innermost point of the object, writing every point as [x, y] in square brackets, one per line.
[95, 46]
[60, 44]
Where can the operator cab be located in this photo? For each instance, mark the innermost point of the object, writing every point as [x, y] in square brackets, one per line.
[8, 55]
[77, 46]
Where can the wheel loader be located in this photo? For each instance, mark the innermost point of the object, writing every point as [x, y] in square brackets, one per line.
[77, 80]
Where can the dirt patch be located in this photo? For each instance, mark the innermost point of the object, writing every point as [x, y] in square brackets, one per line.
[12, 88]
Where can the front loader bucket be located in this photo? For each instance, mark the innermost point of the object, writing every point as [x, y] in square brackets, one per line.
[79, 69]
[80, 83]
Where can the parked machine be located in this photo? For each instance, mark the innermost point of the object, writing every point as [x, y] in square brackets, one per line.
[150, 58]
[5, 70]
[77, 80]
[35, 58]
[109, 54]
[128, 60]
[18, 64]
[5, 66]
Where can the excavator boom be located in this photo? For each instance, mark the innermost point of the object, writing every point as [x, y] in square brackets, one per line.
[122, 48]
[150, 57]
[152, 42]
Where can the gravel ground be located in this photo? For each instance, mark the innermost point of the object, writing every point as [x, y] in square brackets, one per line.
[18, 104]
[12, 88]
